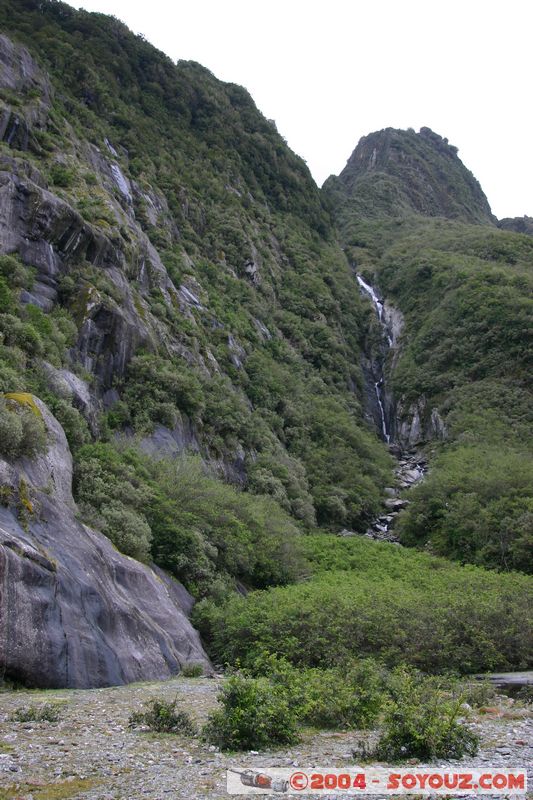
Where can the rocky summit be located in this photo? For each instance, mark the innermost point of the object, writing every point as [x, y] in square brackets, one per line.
[266, 474]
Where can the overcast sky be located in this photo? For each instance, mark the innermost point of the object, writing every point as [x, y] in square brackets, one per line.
[330, 72]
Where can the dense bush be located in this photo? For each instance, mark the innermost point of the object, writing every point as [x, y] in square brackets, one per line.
[255, 714]
[350, 696]
[154, 387]
[22, 430]
[206, 533]
[375, 599]
[192, 670]
[163, 716]
[422, 720]
[476, 505]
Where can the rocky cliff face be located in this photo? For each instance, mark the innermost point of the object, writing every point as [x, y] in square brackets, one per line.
[171, 277]
[517, 224]
[395, 173]
[73, 611]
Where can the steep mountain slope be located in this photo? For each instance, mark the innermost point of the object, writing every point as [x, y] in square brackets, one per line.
[465, 291]
[169, 282]
[393, 173]
[166, 216]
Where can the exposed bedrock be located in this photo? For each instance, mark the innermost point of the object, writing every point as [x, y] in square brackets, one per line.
[74, 612]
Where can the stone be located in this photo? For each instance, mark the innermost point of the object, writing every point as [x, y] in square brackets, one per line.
[75, 612]
[396, 504]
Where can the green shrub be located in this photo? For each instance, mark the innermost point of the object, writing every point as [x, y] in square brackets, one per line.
[348, 697]
[63, 176]
[192, 670]
[22, 431]
[370, 599]
[422, 721]
[478, 693]
[127, 529]
[162, 716]
[525, 694]
[255, 714]
[44, 713]
[203, 531]
[10, 431]
[72, 422]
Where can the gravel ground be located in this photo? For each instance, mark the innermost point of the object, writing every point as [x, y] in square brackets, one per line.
[90, 753]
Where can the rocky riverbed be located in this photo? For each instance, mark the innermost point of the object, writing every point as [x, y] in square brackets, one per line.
[91, 753]
[410, 470]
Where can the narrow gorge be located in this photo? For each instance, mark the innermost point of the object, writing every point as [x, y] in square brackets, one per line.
[379, 363]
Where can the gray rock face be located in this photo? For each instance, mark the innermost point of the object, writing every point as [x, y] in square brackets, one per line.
[417, 423]
[20, 74]
[73, 611]
[517, 224]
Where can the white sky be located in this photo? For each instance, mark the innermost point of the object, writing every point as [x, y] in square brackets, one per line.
[330, 72]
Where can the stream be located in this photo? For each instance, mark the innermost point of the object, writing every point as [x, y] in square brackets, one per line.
[412, 465]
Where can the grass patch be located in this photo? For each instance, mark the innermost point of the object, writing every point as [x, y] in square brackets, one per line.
[46, 713]
[192, 671]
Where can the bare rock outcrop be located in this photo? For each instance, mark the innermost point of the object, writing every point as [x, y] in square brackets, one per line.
[418, 423]
[74, 612]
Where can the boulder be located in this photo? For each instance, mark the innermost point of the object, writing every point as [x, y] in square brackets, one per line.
[395, 504]
[74, 612]
[418, 423]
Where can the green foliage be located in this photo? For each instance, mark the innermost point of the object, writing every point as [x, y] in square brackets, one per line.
[62, 176]
[156, 389]
[369, 599]
[206, 533]
[192, 670]
[128, 531]
[161, 716]
[466, 294]
[422, 721]
[476, 505]
[254, 715]
[70, 419]
[350, 696]
[525, 695]
[478, 693]
[45, 713]
[22, 432]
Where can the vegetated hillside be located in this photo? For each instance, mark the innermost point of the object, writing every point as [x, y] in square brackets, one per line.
[172, 252]
[373, 599]
[466, 294]
[171, 283]
[395, 173]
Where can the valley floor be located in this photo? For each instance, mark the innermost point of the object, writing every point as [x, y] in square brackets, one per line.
[91, 754]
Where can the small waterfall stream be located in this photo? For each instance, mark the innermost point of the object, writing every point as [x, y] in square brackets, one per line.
[379, 384]
[411, 465]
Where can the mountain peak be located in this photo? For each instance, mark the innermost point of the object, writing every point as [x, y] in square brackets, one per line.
[400, 172]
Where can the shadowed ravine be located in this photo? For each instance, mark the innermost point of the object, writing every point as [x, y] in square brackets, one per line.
[412, 465]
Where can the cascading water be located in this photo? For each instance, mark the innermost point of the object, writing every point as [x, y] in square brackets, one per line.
[378, 387]
[411, 465]
[379, 383]
[370, 291]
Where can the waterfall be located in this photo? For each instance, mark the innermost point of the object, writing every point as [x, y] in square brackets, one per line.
[384, 429]
[378, 365]
[372, 294]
